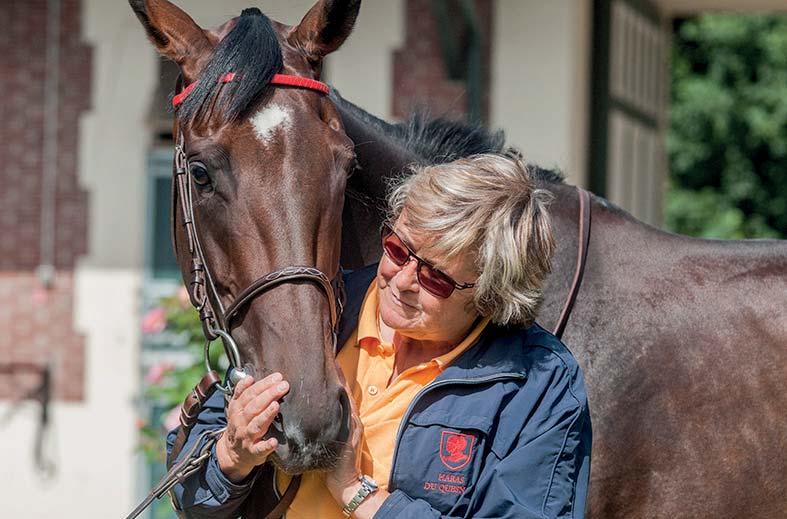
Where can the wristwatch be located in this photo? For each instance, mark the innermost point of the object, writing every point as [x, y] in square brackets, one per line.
[368, 487]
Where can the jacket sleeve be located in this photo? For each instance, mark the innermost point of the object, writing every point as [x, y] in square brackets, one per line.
[208, 492]
[545, 476]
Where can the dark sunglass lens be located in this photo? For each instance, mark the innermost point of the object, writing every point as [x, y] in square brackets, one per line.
[395, 250]
[437, 283]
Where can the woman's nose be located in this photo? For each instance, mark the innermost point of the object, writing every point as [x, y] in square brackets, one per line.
[407, 277]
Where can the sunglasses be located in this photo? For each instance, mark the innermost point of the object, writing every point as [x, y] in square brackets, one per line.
[437, 283]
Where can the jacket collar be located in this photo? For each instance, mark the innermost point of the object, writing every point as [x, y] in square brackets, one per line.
[500, 350]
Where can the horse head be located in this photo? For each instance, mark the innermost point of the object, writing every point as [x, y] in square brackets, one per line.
[263, 171]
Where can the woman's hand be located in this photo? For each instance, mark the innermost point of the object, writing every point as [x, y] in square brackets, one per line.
[250, 412]
[343, 482]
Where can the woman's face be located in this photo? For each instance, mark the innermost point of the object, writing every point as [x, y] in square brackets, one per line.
[412, 311]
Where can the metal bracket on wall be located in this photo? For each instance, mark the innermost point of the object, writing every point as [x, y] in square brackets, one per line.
[41, 393]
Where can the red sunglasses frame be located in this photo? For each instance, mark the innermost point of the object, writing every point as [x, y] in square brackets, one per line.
[388, 232]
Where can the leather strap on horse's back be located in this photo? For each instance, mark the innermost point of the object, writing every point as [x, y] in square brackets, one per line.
[582, 252]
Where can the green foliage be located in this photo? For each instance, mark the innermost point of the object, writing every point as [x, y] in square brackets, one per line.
[728, 132]
[177, 326]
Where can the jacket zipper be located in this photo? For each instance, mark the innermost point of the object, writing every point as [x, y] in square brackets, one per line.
[429, 387]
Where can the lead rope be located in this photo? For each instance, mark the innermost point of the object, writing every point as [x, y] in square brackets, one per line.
[191, 463]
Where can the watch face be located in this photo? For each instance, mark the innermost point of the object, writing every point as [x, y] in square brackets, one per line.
[369, 482]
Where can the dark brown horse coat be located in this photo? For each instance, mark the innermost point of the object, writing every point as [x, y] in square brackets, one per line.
[683, 341]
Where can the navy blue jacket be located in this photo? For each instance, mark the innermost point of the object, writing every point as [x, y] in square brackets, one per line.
[503, 432]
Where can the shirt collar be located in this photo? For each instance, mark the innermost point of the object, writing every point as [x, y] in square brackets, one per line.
[368, 327]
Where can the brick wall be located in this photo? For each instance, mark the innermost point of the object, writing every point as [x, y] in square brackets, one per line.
[420, 77]
[37, 323]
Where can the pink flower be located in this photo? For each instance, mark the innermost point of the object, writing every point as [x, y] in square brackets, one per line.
[156, 372]
[154, 321]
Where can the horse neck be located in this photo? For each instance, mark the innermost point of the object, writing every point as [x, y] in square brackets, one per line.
[381, 157]
[617, 240]
[624, 252]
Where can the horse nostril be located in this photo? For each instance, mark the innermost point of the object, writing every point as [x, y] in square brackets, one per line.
[344, 403]
[276, 430]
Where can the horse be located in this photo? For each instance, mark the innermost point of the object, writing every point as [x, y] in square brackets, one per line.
[682, 341]
[259, 178]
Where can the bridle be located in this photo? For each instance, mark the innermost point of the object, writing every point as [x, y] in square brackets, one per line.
[218, 320]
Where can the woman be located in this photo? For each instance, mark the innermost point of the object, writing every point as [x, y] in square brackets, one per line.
[463, 406]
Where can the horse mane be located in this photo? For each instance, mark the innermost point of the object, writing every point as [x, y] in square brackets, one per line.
[439, 140]
[251, 50]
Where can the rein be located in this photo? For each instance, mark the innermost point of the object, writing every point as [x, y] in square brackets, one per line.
[217, 321]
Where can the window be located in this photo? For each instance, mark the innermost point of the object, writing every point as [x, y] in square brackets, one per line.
[161, 258]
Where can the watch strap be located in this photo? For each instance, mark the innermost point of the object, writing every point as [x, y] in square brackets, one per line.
[368, 487]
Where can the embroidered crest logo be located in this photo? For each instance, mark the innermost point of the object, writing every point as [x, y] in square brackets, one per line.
[456, 449]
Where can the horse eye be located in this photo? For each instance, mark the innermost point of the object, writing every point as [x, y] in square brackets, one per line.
[199, 173]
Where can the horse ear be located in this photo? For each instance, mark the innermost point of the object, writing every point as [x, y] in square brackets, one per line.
[325, 27]
[173, 32]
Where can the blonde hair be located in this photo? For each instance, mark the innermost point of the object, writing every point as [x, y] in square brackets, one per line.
[487, 206]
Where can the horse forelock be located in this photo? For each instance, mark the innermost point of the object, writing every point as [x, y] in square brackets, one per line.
[252, 51]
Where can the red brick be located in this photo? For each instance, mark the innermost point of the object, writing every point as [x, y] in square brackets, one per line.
[40, 330]
[420, 78]
[23, 63]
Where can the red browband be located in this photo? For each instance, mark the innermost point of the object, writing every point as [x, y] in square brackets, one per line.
[278, 79]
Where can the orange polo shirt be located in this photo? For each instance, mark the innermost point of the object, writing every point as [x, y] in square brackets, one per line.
[367, 363]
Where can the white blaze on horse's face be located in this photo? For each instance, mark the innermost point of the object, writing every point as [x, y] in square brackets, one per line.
[267, 120]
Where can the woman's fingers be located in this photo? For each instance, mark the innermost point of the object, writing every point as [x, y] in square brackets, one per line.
[251, 413]
[264, 399]
[259, 425]
[252, 391]
[264, 448]
[241, 386]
